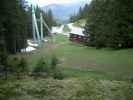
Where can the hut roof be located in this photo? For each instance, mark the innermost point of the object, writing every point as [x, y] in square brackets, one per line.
[77, 31]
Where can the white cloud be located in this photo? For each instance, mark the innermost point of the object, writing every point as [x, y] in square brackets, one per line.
[48, 2]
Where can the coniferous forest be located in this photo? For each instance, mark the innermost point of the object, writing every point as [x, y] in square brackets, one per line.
[109, 23]
[12, 19]
[16, 24]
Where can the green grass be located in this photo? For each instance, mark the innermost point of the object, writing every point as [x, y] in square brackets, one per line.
[68, 89]
[79, 23]
[90, 74]
[82, 61]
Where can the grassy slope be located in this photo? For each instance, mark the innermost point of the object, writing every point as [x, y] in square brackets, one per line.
[81, 61]
[84, 66]
[79, 23]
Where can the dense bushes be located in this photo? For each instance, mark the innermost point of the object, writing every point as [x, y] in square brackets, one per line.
[18, 67]
[41, 68]
[45, 68]
[14, 66]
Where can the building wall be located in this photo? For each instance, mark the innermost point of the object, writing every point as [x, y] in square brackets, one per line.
[76, 38]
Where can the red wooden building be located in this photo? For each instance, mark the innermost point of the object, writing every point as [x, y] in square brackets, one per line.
[76, 35]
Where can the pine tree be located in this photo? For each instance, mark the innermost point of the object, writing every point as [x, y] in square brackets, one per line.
[13, 26]
[109, 24]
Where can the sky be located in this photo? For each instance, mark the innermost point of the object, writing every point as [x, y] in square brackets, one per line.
[48, 2]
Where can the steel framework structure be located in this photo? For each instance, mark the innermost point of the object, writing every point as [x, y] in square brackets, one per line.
[38, 36]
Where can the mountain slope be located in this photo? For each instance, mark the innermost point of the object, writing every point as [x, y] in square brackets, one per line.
[63, 12]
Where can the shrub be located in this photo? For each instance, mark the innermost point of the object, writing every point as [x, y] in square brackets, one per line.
[56, 73]
[23, 66]
[18, 66]
[44, 68]
[54, 62]
[41, 68]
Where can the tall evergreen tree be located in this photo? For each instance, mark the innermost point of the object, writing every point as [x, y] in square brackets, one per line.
[109, 23]
[13, 30]
[82, 14]
[48, 18]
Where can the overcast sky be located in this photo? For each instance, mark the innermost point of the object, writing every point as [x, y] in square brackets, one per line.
[48, 2]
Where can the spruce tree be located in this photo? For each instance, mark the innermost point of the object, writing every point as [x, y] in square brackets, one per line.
[109, 24]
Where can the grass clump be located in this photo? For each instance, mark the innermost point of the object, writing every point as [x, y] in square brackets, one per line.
[41, 68]
[67, 89]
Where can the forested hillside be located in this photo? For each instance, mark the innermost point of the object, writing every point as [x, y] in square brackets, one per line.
[82, 14]
[109, 23]
[16, 24]
[13, 36]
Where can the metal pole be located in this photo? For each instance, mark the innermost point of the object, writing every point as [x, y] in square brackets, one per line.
[33, 26]
[48, 30]
[46, 26]
[41, 26]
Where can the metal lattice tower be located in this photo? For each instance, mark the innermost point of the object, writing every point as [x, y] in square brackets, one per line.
[38, 36]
